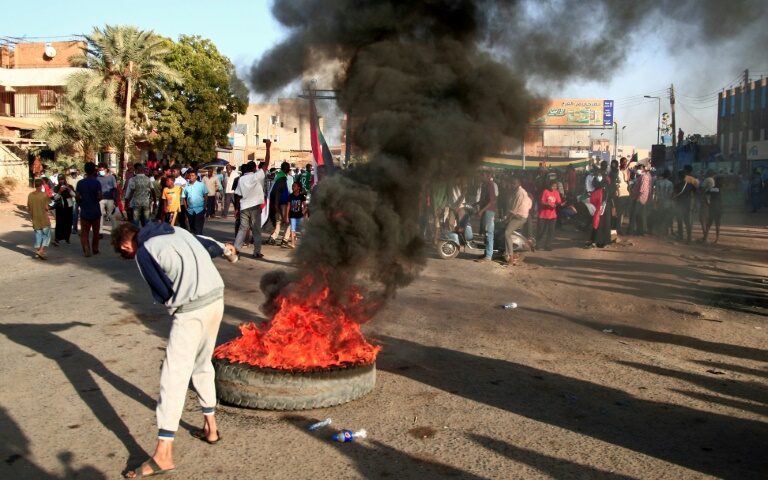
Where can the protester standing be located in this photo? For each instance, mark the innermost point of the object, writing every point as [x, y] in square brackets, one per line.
[194, 196]
[88, 195]
[74, 177]
[683, 197]
[213, 185]
[663, 205]
[548, 203]
[37, 204]
[64, 199]
[177, 267]
[489, 192]
[297, 208]
[171, 199]
[250, 191]
[107, 203]
[229, 190]
[140, 194]
[517, 210]
[278, 204]
[641, 191]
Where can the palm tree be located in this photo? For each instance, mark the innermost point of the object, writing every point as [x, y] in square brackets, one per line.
[88, 118]
[133, 61]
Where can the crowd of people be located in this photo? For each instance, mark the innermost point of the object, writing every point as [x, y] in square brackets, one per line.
[183, 196]
[604, 200]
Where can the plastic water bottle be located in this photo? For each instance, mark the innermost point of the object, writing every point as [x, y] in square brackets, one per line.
[510, 306]
[348, 435]
[319, 425]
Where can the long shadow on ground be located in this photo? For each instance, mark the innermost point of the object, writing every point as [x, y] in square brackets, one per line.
[15, 462]
[80, 367]
[706, 442]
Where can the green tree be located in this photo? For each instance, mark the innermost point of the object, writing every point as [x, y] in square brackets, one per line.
[87, 120]
[133, 61]
[194, 119]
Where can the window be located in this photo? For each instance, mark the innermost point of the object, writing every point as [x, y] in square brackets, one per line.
[762, 99]
[281, 125]
[295, 130]
[733, 104]
[274, 119]
[47, 98]
[256, 121]
[752, 99]
[723, 107]
[276, 138]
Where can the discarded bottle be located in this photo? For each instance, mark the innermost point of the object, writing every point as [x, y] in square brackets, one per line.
[319, 425]
[348, 435]
[510, 306]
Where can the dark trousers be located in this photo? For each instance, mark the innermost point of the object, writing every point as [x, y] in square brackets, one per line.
[210, 206]
[546, 230]
[683, 216]
[195, 221]
[181, 218]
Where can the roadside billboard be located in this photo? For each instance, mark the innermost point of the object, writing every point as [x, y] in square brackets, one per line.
[566, 138]
[577, 113]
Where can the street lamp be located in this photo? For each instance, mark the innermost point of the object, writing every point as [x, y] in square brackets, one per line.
[658, 119]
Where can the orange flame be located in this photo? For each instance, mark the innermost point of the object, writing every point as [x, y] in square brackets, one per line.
[307, 333]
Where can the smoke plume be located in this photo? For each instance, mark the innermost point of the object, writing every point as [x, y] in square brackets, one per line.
[432, 86]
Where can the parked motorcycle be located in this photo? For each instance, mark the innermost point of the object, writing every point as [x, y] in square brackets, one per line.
[452, 241]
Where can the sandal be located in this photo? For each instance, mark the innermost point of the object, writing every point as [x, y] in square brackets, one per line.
[152, 464]
[200, 435]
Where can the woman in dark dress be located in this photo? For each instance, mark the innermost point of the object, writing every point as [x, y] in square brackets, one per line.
[603, 236]
[64, 198]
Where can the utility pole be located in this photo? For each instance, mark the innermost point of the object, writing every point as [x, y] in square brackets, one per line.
[615, 140]
[674, 126]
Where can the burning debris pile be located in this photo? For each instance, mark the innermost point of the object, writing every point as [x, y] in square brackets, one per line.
[433, 86]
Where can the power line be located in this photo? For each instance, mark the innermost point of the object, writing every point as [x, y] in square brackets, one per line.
[706, 128]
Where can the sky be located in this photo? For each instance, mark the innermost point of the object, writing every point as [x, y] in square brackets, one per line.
[244, 29]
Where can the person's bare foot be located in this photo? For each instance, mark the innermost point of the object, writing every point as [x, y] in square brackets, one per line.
[151, 467]
[161, 461]
[210, 429]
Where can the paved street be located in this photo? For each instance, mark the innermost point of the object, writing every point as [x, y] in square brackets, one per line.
[644, 360]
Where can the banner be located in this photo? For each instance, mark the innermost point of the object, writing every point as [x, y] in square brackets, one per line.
[577, 113]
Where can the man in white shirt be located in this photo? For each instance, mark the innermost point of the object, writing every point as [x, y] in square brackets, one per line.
[250, 189]
[229, 189]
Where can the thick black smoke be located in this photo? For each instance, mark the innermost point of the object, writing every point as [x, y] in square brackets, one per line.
[432, 87]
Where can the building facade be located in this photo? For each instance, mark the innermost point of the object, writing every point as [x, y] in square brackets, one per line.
[32, 81]
[742, 125]
[285, 123]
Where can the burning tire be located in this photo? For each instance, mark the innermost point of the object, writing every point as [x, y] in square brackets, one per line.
[265, 388]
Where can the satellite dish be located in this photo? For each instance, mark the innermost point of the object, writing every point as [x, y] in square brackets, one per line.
[50, 52]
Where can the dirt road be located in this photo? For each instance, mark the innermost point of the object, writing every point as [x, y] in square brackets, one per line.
[642, 360]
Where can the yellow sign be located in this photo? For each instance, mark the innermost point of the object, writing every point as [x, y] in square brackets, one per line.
[577, 113]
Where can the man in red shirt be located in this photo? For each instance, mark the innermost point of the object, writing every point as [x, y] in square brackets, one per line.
[550, 199]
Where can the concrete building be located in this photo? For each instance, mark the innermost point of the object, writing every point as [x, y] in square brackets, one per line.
[32, 80]
[285, 123]
[742, 126]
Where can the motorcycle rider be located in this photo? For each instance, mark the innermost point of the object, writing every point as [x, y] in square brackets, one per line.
[518, 208]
